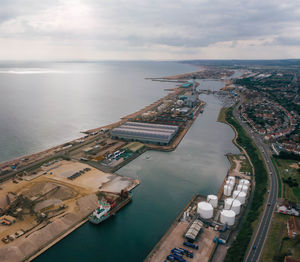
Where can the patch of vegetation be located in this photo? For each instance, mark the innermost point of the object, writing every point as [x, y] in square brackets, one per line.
[292, 182]
[245, 166]
[238, 249]
[277, 232]
[290, 177]
[287, 155]
[221, 117]
[278, 177]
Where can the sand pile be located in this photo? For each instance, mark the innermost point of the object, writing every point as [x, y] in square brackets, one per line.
[3, 202]
[58, 191]
[40, 189]
[87, 204]
[10, 254]
[43, 237]
[46, 203]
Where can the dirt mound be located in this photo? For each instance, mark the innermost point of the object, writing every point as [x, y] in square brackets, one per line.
[3, 201]
[46, 204]
[39, 189]
[10, 254]
[87, 204]
[50, 190]
[46, 235]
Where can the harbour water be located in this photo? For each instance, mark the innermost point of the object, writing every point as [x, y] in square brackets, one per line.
[168, 180]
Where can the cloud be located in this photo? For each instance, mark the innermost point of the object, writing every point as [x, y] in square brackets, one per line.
[139, 28]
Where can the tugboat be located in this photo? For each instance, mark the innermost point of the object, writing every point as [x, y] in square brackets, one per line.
[109, 207]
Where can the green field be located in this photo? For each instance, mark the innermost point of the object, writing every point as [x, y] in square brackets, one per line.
[287, 171]
[222, 114]
[278, 244]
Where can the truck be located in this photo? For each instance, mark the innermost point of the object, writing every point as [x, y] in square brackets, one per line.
[188, 244]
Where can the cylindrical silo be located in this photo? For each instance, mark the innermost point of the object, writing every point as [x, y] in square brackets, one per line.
[213, 200]
[239, 195]
[205, 210]
[227, 217]
[233, 204]
[244, 182]
[227, 190]
[243, 188]
[231, 178]
[230, 183]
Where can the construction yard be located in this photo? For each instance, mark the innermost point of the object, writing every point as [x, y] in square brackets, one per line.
[37, 209]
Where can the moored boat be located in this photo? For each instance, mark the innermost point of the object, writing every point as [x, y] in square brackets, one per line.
[106, 208]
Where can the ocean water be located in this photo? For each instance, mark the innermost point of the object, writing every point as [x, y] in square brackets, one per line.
[168, 180]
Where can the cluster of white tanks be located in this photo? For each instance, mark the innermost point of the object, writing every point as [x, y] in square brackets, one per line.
[206, 208]
[232, 205]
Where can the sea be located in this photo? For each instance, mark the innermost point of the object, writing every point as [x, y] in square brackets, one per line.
[43, 104]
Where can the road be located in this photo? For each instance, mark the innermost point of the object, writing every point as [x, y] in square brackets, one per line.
[256, 246]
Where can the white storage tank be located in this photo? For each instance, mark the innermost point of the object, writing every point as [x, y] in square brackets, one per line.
[227, 217]
[243, 188]
[213, 200]
[205, 210]
[239, 195]
[230, 183]
[231, 178]
[227, 190]
[233, 204]
[244, 182]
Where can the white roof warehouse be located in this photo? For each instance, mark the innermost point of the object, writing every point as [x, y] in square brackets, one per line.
[145, 132]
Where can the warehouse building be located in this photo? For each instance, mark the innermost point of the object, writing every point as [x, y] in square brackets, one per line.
[145, 132]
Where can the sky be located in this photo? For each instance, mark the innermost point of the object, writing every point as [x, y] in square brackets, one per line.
[149, 29]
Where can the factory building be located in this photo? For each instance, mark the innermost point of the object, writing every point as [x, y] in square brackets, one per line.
[145, 132]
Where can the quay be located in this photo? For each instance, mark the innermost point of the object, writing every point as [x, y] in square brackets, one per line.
[219, 216]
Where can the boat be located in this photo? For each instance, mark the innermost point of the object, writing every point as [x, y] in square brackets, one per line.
[101, 213]
[106, 208]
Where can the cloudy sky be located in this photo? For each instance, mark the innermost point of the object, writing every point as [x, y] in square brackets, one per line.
[149, 29]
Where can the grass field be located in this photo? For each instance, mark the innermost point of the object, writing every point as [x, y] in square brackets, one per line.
[246, 166]
[222, 115]
[278, 244]
[287, 168]
[279, 194]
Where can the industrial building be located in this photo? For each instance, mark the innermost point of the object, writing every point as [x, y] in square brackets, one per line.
[145, 132]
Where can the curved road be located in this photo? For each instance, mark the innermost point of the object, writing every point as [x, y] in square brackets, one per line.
[256, 246]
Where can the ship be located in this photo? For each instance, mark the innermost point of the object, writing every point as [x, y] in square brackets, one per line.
[108, 207]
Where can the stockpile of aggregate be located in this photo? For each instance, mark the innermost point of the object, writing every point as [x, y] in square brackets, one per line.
[43, 237]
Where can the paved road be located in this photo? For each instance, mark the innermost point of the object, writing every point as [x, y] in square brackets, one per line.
[256, 246]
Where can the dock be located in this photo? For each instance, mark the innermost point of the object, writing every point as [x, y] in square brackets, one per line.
[213, 234]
